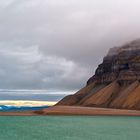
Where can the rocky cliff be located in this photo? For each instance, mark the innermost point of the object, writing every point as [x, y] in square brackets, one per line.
[116, 83]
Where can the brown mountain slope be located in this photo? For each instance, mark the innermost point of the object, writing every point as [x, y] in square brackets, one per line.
[91, 93]
[74, 99]
[118, 102]
[103, 97]
[133, 100]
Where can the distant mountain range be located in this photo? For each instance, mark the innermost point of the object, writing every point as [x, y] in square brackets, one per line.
[24, 105]
[116, 82]
[21, 108]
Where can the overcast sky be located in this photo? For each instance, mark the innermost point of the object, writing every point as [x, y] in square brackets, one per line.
[57, 44]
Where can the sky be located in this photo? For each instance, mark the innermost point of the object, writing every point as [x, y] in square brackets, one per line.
[58, 44]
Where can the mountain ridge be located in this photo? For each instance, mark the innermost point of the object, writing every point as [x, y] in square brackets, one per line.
[116, 82]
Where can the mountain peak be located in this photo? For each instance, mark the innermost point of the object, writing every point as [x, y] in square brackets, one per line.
[131, 46]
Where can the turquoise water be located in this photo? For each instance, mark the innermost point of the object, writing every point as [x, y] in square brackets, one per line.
[69, 128]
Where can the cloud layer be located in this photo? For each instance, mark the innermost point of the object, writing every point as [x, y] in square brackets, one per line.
[53, 44]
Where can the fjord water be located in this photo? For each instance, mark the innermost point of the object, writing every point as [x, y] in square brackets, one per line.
[69, 128]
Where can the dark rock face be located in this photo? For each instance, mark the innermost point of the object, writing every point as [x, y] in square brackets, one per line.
[121, 64]
[116, 83]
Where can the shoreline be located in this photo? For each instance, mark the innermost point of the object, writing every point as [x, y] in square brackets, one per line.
[74, 111]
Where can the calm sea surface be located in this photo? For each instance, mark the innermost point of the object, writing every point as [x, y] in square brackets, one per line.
[69, 128]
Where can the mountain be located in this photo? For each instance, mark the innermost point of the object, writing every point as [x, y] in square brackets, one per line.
[116, 82]
[21, 108]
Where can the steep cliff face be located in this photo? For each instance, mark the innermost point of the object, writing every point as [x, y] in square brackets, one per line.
[116, 81]
[121, 63]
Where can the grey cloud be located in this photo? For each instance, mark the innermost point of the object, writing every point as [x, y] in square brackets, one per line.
[53, 44]
[22, 70]
[84, 33]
